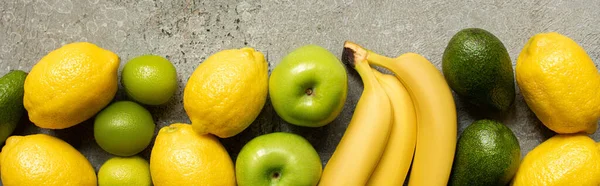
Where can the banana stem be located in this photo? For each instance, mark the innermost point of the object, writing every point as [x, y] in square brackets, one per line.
[356, 57]
[353, 53]
[379, 60]
[365, 72]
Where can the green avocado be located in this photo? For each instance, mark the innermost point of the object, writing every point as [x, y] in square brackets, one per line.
[11, 102]
[477, 67]
[487, 154]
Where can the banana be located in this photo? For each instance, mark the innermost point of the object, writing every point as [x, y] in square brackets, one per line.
[395, 161]
[364, 141]
[435, 111]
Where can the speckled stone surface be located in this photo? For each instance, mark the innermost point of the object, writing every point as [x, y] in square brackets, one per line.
[186, 32]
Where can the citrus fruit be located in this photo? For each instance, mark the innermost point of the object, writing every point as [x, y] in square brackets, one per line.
[149, 79]
[560, 83]
[125, 171]
[561, 160]
[226, 92]
[487, 153]
[70, 85]
[41, 159]
[181, 156]
[11, 102]
[124, 128]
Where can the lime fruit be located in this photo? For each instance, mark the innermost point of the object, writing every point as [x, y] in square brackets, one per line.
[125, 171]
[149, 79]
[124, 128]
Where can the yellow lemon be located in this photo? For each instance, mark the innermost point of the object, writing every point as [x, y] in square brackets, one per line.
[70, 85]
[41, 159]
[181, 157]
[560, 83]
[226, 92]
[561, 160]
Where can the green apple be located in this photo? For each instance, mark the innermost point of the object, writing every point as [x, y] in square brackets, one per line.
[278, 159]
[308, 87]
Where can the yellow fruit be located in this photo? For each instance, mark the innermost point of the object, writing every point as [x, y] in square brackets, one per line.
[393, 166]
[181, 157]
[41, 159]
[365, 139]
[561, 160]
[70, 85]
[560, 83]
[226, 92]
[435, 111]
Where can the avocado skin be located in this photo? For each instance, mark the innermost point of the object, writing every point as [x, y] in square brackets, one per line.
[478, 68]
[487, 154]
[11, 102]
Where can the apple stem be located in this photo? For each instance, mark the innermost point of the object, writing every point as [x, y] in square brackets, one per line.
[309, 91]
[276, 175]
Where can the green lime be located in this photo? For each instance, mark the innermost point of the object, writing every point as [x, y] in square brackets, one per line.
[149, 79]
[124, 128]
[125, 171]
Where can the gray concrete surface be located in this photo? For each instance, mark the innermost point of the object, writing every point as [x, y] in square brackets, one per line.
[187, 31]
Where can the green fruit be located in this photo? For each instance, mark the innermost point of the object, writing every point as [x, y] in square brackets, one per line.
[11, 102]
[124, 128]
[487, 153]
[149, 79]
[126, 171]
[278, 159]
[478, 68]
[308, 88]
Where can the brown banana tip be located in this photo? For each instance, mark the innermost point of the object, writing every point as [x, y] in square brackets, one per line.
[353, 53]
[348, 57]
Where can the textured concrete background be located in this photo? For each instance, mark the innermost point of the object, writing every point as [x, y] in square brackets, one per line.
[186, 32]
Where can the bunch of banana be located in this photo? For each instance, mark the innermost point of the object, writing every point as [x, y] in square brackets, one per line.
[395, 118]
[400, 148]
[364, 141]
